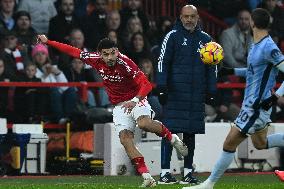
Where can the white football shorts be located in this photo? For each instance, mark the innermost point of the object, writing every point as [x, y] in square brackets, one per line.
[123, 121]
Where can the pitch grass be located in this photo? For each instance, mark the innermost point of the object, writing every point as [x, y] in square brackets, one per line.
[123, 182]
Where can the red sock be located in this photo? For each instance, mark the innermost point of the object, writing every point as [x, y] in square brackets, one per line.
[140, 165]
[166, 133]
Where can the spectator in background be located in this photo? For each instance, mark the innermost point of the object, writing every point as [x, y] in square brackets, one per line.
[236, 41]
[133, 25]
[41, 12]
[24, 31]
[62, 99]
[113, 35]
[77, 39]
[81, 8]
[253, 3]
[4, 77]
[146, 66]
[228, 9]
[29, 101]
[61, 25]
[139, 48]
[134, 9]
[95, 24]
[14, 57]
[7, 8]
[277, 14]
[113, 21]
[224, 108]
[78, 73]
[164, 25]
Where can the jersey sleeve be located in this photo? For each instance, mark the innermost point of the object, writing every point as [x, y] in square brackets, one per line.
[273, 54]
[67, 49]
[90, 58]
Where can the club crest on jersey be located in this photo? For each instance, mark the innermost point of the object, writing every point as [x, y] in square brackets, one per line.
[184, 42]
[201, 45]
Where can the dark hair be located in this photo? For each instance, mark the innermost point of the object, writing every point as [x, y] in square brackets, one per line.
[145, 41]
[106, 43]
[261, 18]
[18, 14]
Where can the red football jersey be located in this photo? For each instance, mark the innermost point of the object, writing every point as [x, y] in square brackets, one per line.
[123, 81]
[120, 79]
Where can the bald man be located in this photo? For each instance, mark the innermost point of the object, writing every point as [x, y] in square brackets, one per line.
[185, 84]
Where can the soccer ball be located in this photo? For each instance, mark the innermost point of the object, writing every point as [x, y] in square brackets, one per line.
[211, 53]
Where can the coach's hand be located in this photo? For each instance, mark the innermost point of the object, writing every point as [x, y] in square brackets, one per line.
[162, 93]
[269, 102]
[128, 106]
[41, 39]
[210, 99]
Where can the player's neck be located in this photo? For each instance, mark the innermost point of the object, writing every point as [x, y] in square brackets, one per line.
[259, 35]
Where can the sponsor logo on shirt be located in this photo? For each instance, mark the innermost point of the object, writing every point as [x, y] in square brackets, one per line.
[113, 78]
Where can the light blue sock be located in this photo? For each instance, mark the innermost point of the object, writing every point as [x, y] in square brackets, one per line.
[220, 167]
[275, 140]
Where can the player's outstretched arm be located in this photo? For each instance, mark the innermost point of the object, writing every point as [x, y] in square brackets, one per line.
[272, 100]
[71, 51]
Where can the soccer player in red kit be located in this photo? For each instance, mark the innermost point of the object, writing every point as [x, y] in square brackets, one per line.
[127, 88]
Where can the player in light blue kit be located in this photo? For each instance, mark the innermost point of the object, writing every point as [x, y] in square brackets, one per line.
[264, 61]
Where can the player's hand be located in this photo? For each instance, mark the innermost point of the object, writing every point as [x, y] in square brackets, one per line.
[41, 39]
[269, 102]
[162, 93]
[128, 106]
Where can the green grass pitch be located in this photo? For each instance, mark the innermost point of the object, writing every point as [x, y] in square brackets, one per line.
[267, 181]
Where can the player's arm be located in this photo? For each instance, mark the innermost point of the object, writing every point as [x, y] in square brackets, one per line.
[140, 79]
[145, 86]
[280, 91]
[277, 59]
[67, 49]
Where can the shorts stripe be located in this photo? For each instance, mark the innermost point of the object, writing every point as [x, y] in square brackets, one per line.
[251, 122]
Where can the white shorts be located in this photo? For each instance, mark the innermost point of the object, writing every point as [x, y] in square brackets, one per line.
[126, 121]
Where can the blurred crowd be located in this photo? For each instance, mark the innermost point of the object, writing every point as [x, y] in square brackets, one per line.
[82, 23]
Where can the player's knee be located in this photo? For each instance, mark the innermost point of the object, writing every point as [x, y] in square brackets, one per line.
[125, 137]
[144, 122]
[260, 145]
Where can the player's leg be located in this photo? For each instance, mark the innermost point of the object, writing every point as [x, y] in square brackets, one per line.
[126, 139]
[188, 178]
[125, 126]
[146, 123]
[261, 141]
[234, 138]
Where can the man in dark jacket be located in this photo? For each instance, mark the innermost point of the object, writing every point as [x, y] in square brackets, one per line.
[62, 24]
[185, 84]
